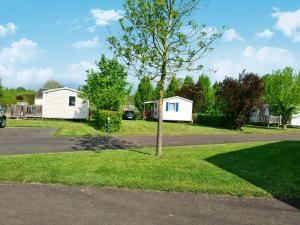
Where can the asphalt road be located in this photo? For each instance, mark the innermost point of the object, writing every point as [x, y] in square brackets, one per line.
[27, 204]
[41, 140]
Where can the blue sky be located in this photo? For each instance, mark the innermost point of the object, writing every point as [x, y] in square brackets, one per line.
[42, 40]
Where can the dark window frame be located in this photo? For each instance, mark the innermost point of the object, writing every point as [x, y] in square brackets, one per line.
[72, 101]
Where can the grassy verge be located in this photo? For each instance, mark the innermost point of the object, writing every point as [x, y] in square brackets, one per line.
[250, 169]
[65, 128]
[140, 127]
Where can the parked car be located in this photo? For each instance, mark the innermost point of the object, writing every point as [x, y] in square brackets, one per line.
[2, 118]
[129, 115]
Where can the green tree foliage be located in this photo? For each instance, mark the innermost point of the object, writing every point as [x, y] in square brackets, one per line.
[191, 91]
[21, 89]
[173, 87]
[144, 93]
[283, 93]
[106, 88]
[1, 89]
[51, 84]
[159, 40]
[240, 96]
[10, 96]
[188, 80]
[216, 104]
[207, 93]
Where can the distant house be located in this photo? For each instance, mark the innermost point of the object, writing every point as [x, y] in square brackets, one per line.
[63, 103]
[264, 116]
[174, 109]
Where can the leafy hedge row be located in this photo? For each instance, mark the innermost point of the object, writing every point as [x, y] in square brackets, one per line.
[101, 120]
[213, 120]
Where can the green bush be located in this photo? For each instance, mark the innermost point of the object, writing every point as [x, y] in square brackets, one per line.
[213, 120]
[29, 98]
[101, 120]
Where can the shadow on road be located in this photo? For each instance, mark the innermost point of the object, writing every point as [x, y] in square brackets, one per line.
[273, 167]
[101, 143]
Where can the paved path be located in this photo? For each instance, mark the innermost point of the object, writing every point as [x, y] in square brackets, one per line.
[41, 140]
[149, 141]
[26, 204]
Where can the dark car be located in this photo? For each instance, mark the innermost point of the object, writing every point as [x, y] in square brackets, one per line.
[129, 115]
[2, 118]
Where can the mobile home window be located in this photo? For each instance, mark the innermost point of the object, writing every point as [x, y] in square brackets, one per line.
[172, 107]
[72, 101]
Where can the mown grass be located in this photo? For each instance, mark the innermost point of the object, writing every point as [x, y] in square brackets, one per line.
[65, 128]
[140, 127]
[249, 169]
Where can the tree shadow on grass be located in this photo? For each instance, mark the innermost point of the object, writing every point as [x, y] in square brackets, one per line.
[273, 167]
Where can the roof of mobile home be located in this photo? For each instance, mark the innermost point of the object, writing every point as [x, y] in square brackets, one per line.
[174, 97]
[61, 89]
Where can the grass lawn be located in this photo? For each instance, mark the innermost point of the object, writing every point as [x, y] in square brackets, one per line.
[139, 127]
[65, 128]
[249, 169]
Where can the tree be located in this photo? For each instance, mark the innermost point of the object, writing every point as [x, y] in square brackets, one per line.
[173, 87]
[144, 93]
[239, 96]
[207, 92]
[1, 89]
[21, 89]
[159, 40]
[216, 104]
[107, 87]
[191, 91]
[51, 84]
[283, 93]
[188, 80]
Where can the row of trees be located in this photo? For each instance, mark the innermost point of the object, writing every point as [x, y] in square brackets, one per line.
[202, 93]
[235, 98]
[14, 95]
[279, 91]
[9, 96]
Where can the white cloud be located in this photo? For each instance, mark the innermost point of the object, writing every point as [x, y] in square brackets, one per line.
[258, 60]
[267, 34]
[103, 17]
[232, 35]
[91, 29]
[9, 28]
[77, 71]
[87, 44]
[32, 77]
[270, 55]
[20, 51]
[288, 23]
[14, 69]
[226, 68]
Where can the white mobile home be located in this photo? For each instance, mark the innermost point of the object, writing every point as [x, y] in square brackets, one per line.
[63, 103]
[174, 109]
[263, 116]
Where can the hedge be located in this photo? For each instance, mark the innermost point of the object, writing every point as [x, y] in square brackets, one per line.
[213, 120]
[101, 120]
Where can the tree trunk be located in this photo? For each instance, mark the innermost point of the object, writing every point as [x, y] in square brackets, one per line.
[284, 121]
[160, 119]
[284, 126]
